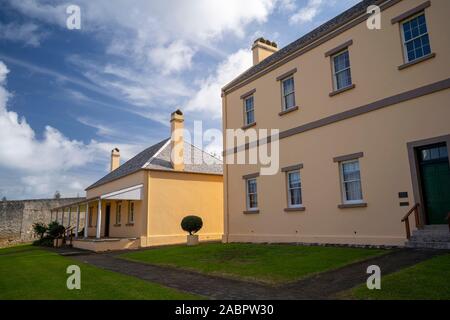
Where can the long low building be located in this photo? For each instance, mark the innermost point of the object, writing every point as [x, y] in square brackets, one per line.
[141, 203]
[364, 121]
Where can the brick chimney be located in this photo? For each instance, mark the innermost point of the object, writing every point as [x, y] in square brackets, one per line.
[115, 159]
[263, 48]
[177, 140]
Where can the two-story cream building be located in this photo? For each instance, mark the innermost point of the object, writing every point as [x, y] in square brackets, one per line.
[364, 120]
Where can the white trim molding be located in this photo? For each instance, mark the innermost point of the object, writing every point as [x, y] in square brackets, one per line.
[131, 193]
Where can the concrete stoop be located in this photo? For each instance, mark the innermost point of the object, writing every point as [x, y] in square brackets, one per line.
[431, 237]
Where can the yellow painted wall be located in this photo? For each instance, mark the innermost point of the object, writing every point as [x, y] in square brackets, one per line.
[172, 196]
[136, 230]
[382, 135]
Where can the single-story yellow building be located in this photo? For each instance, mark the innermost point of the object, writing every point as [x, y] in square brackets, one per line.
[141, 203]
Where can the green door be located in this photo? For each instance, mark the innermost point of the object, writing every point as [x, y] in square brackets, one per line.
[435, 174]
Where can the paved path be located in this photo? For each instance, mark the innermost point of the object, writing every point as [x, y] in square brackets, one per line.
[322, 286]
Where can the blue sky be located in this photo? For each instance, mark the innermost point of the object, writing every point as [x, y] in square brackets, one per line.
[67, 97]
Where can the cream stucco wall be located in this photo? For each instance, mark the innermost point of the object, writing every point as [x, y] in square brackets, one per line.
[172, 196]
[167, 198]
[382, 135]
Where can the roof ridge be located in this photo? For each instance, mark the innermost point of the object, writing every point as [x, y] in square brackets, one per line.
[205, 152]
[305, 40]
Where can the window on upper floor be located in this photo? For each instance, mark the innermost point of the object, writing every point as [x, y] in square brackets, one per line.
[288, 91]
[416, 42]
[342, 77]
[252, 194]
[294, 189]
[249, 110]
[351, 182]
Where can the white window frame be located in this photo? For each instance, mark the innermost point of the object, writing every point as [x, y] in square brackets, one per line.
[405, 49]
[251, 110]
[283, 96]
[335, 82]
[343, 190]
[131, 212]
[247, 194]
[118, 213]
[290, 205]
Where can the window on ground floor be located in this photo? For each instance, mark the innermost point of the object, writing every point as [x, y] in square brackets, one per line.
[118, 213]
[351, 182]
[294, 189]
[130, 212]
[252, 194]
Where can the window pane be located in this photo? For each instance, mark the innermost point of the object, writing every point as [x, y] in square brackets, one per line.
[296, 197]
[341, 62]
[294, 180]
[351, 171]
[343, 79]
[288, 86]
[250, 117]
[289, 101]
[253, 201]
[443, 152]
[252, 186]
[353, 191]
[434, 153]
[249, 104]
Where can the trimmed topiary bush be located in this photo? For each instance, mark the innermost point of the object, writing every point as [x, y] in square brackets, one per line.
[192, 224]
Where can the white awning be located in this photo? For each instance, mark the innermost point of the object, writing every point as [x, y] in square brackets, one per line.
[132, 193]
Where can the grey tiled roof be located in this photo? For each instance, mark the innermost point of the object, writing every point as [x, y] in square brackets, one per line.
[325, 28]
[195, 160]
[162, 162]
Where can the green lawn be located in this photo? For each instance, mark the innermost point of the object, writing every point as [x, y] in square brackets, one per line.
[427, 280]
[28, 272]
[266, 263]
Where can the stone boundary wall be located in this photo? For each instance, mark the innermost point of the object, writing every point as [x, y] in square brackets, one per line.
[17, 218]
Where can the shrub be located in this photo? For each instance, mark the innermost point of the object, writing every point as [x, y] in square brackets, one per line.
[39, 229]
[192, 224]
[55, 230]
[45, 242]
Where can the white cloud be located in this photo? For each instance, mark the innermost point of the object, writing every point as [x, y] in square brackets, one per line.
[173, 58]
[208, 99]
[53, 162]
[27, 33]
[139, 26]
[308, 12]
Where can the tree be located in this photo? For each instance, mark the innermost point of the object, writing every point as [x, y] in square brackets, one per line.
[57, 195]
[192, 224]
[40, 229]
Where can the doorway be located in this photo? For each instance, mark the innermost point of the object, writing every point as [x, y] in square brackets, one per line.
[434, 171]
[107, 219]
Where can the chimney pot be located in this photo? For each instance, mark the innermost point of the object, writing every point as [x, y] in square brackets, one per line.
[177, 140]
[115, 159]
[262, 49]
